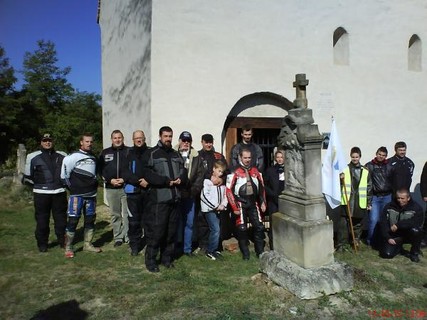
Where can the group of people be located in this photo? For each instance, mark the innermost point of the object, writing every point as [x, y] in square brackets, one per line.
[158, 197]
[51, 172]
[377, 206]
[174, 200]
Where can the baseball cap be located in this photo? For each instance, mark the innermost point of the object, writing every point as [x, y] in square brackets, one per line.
[46, 137]
[185, 136]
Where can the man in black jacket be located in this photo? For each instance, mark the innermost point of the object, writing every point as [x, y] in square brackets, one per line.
[42, 171]
[135, 189]
[209, 156]
[401, 222]
[423, 190]
[164, 171]
[381, 190]
[402, 168]
[111, 172]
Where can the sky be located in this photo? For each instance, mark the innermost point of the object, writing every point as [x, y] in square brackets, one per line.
[70, 24]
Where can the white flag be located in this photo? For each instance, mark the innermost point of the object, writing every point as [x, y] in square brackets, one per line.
[333, 164]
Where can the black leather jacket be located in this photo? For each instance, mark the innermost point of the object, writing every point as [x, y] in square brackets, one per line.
[380, 177]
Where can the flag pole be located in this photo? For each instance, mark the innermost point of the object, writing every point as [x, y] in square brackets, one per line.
[349, 216]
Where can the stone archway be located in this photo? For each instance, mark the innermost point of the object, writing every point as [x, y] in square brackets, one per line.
[267, 124]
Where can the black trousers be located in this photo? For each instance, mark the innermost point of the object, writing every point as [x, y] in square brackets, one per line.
[412, 236]
[202, 230]
[242, 233]
[44, 204]
[344, 235]
[160, 226]
[136, 220]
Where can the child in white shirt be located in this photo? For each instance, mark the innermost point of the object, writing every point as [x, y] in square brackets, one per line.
[212, 201]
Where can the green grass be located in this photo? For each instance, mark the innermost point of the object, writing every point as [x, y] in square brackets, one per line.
[114, 285]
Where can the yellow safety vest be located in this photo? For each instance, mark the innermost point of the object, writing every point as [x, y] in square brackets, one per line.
[363, 187]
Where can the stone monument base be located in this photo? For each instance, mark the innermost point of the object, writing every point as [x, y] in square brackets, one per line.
[306, 283]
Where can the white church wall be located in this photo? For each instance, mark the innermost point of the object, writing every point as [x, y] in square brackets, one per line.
[206, 55]
[126, 54]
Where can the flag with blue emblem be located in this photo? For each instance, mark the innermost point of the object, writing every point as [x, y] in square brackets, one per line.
[333, 164]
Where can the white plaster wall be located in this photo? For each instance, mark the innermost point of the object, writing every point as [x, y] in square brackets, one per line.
[126, 53]
[206, 55]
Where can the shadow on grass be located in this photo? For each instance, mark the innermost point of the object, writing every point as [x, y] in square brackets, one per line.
[106, 236]
[65, 310]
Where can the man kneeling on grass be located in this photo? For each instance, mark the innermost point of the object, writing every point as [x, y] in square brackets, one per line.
[400, 223]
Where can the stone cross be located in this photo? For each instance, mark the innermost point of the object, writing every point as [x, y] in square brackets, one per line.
[300, 84]
[303, 257]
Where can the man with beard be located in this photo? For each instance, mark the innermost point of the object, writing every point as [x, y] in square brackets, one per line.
[135, 189]
[164, 171]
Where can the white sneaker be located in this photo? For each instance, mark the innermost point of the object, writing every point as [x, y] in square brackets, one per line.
[211, 256]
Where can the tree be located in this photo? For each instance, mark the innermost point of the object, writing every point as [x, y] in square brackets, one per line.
[82, 114]
[47, 102]
[7, 74]
[46, 86]
[8, 107]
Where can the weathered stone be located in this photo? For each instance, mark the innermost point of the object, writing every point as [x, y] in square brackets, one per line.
[20, 165]
[305, 283]
[302, 207]
[303, 260]
[230, 245]
[307, 243]
[300, 83]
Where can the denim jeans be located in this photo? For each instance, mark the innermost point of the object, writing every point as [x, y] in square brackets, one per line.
[187, 207]
[378, 203]
[213, 222]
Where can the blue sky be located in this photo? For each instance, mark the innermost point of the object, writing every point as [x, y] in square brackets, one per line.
[70, 24]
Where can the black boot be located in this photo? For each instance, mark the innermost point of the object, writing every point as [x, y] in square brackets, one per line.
[244, 249]
[61, 240]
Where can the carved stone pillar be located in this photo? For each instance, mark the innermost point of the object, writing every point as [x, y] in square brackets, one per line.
[302, 235]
